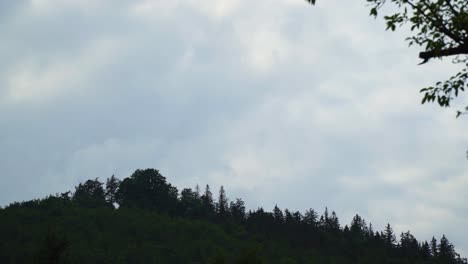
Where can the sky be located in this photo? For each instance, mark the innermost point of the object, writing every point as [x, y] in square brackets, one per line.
[280, 102]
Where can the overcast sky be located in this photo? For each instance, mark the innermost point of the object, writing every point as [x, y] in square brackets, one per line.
[278, 101]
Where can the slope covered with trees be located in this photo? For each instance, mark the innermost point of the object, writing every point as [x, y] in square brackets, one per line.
[144, 219]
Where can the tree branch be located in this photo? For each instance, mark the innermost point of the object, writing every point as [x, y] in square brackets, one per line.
[426, 55]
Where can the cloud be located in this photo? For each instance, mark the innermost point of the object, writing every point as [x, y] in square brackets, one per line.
[280, 102]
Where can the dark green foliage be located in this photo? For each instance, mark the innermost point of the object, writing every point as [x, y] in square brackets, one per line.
[112, 186]
[237, 210]
[53, 250]
[154, 225]
[90, 194]
[147, 189]
[208, 203]
[222, 208]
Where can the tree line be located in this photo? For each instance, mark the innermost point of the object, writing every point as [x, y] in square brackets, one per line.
[306, 235]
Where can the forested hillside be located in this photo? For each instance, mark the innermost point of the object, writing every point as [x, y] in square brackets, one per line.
[144, 219]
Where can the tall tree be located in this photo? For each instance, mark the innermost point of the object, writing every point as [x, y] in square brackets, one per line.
[409, 245]
[334, 222]
[90, 194]
[207, 202]
[237, 210]
[189, 203]
[222, 205]
[389, 236]
[358, 227]
[278, 215]
[446, 251]
[112, 186]
[434, 249]
[311, 217]
[147, 189]
[425, 251]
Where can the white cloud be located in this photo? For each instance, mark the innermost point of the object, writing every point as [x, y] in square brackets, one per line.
[35, 81]
[281, 102]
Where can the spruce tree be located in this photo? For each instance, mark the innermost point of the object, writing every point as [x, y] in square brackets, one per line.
[237, 210]
[310, 217]
[434, 249]
[207, 202]
[278, 215]
[222, 204]
[389, 236]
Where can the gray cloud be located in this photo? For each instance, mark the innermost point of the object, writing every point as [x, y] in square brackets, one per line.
[281, 103]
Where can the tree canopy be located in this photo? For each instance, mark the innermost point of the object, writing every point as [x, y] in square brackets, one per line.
[440, 27]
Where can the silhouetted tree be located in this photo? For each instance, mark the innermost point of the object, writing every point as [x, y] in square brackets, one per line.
[278, 215]
[358, 227]
[222, 205]
[90, 194]
[207, 202]
[434, 249]
[237, 210]
[334, 223]
[190, 204]
[288, 217]
[311, 217]
[446, 251]
[409, 246]
[112, 186]
[297, 217]
[425, 251]
[389, 236]
[147, 189]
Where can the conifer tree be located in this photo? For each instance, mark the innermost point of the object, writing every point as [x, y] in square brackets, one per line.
[334, 222]
[112, 186]
[389, 236]
[207, 201]
[278, 215]
[434, 249]
[297, 217]
[222, 204]
[237, 210]
[310, 217]
[425, 251]
[288, 218]
[197, 191]
[446, 250]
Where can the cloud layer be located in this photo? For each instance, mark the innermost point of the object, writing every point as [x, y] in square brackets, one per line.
[280, 102]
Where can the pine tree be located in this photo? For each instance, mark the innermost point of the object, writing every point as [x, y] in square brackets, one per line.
[310, 217]
[334, 222]
[389, 236]
[446, 250]
[222, 204]
[288, 218]
[371, 231]
[197, 191]
[207, 202]
[433, 247]
[297, 217]
[237, 210]
[278, 215]
[425, 251]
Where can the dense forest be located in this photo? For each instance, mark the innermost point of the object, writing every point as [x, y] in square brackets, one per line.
[144, 219]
